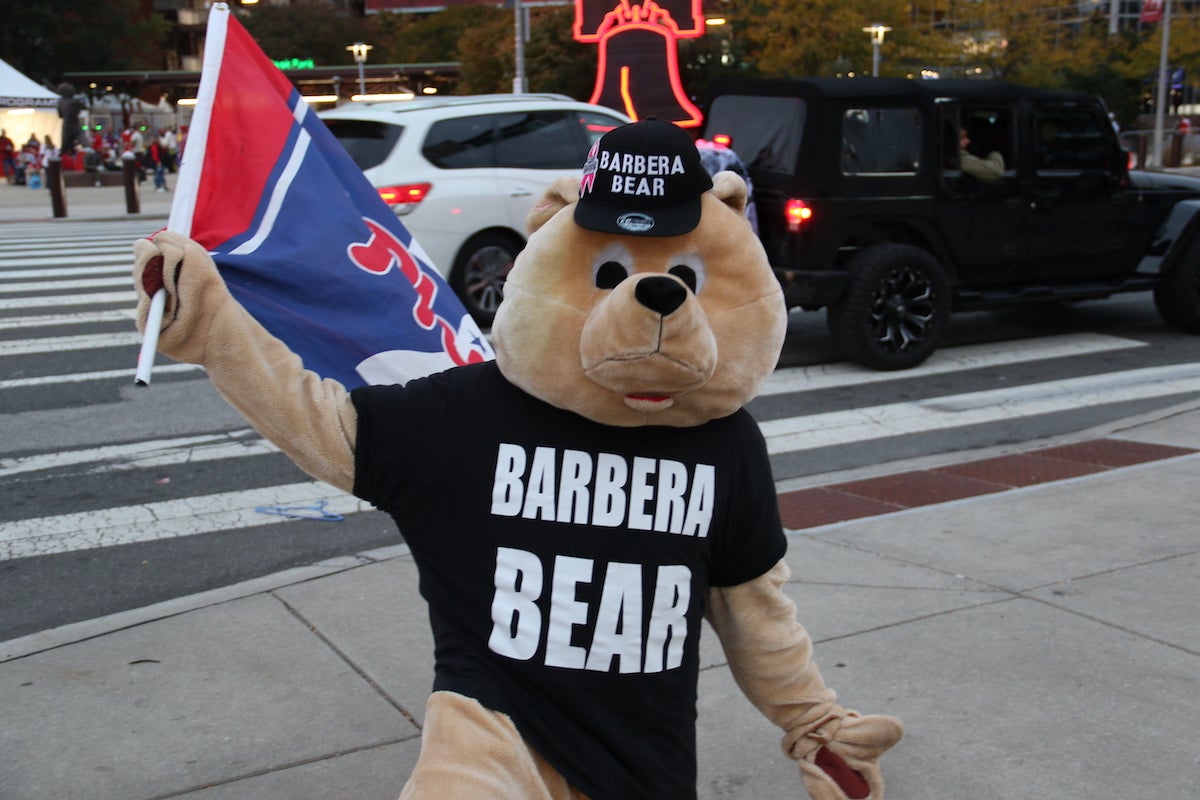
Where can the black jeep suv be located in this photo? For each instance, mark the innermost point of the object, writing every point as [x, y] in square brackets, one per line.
[868, 207]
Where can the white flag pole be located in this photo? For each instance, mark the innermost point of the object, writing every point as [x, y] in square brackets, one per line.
[191, 165]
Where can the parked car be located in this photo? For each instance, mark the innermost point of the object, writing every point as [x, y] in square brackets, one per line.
[868, 208]
[464, 171]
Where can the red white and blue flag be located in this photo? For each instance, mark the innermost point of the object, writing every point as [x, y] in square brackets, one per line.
[300, 236]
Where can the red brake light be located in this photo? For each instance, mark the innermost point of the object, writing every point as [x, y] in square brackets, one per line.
[797, 212]
[405, 194]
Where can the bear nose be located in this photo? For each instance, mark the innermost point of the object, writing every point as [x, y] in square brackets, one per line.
[661, 294]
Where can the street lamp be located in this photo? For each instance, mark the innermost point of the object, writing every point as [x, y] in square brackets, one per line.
[360, 57]
[877, 31]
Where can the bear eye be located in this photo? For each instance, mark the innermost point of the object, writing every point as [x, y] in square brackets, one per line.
[685, 274]
[609, 274]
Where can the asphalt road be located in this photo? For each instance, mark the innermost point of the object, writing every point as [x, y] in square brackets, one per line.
[114, 497]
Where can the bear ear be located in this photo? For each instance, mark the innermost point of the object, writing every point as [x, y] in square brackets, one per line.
[730, 189]
[561, 194]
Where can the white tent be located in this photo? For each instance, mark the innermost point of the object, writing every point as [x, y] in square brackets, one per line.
[27, 107]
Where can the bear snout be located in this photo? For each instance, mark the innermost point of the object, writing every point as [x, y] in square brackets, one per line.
[660, 294]
[648, 336]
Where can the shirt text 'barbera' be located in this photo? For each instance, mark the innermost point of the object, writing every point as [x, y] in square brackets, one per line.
[603, 489]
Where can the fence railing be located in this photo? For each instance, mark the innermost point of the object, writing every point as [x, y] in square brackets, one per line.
[1179, 148]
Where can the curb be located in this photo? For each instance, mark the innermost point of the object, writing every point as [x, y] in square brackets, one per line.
[76, 632]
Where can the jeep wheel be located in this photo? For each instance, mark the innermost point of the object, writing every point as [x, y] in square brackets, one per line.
[894, 309]
[1177, 296]
[480, 270]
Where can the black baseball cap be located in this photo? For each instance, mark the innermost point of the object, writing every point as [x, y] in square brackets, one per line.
[642, 179]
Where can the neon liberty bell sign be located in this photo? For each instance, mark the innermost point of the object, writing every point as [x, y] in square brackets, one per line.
[638, 69]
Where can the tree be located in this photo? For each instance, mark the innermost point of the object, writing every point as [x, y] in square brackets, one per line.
[1028, 42]
[436, 37]
[484, 51]
[804, 38]
[554, 61]
[309, 29]
[45, 40]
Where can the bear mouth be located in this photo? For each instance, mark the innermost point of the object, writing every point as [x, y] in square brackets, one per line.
[649, 401]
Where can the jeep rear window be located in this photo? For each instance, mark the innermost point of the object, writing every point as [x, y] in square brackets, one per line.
[368, 143]
[881, 141]
[766, 131]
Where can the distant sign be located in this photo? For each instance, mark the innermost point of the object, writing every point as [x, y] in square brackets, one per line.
[296, 63]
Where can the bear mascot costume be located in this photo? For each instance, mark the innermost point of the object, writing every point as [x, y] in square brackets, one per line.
[576, 507]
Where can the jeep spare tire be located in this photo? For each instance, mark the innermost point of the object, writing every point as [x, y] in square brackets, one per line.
[895, 306]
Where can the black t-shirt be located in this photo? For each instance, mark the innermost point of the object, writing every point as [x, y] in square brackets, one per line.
[566, 563]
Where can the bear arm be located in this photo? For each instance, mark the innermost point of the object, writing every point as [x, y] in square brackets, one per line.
[770, 656]
[312, 420]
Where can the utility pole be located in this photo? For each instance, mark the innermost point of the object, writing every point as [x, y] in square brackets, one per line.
[1160, 104]
[519, 47]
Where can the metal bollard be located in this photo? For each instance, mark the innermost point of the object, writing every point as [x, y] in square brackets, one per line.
[54, 182]
[133, 200]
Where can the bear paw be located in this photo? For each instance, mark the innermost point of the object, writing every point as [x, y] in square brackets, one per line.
[846, 766]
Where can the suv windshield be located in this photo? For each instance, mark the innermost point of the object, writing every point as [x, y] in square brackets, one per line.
[766, 131]
[368, 143]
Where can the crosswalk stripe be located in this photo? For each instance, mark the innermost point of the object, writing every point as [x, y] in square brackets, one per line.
[790, 434]
[82, 283]
[953, 359]
[51, 261]
[795, 434]
[84, 227]
[56, 301]
[167, 519]
[13, 262]
[58, 344]
[66, 272]
[148, 453]
[102, 374]
[99, 375]
[78, 318]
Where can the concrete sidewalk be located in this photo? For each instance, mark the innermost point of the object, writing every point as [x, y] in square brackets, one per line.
[20, 204]
[1039, 642]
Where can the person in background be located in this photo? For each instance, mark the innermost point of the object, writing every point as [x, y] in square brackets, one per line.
[8, 156]
[988, 168]
[45, 152]
[718, 156]
[137, 145]
[29, 167]
[158, 160]
[170, 144]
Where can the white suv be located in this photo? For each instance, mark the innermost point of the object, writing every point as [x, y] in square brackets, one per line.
[464, 171]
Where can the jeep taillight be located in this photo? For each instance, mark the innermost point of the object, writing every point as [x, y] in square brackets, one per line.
[404, 197]
[797, 212]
